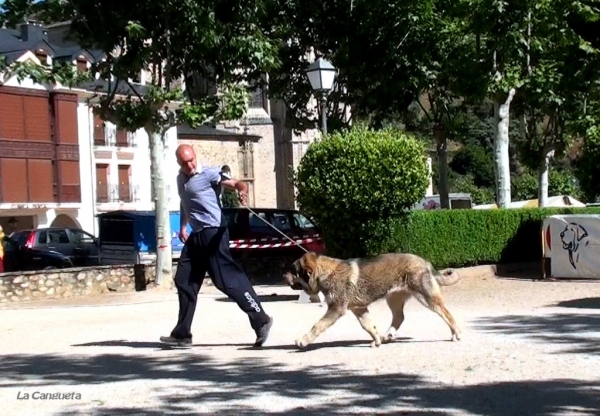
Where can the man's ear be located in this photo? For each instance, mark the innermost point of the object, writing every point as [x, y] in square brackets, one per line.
[310, 262]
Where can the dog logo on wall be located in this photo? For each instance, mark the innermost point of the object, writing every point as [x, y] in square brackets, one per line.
[572, 237]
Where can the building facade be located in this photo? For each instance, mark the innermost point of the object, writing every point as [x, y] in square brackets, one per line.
[60, 165]
[40, 157]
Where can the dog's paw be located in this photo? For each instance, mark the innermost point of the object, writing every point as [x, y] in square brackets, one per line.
[387, 338]
[301, 343]
[375, 344]
[455, 337]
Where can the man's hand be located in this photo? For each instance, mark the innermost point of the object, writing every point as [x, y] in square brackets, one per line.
[243, 197]
[183, 234]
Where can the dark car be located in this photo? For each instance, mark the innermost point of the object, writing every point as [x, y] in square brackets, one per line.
[259, 233]
[50, 248]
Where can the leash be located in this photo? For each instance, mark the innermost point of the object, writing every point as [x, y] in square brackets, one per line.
[276, 229]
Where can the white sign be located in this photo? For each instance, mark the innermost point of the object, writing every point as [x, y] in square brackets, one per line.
[572, 242]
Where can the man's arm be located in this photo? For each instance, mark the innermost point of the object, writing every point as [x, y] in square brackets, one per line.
[183, 219]
[241, 187]
[235, 184]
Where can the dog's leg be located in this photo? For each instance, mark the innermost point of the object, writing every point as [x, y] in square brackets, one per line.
[396, 302]
[436, 303]
[365, 321]
[330, 317]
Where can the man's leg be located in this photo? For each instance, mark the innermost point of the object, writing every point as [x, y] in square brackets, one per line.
[230, 278]
[188, 281]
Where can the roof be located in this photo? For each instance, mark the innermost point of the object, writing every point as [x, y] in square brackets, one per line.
[100, 85]
[14, 43]
[31, 36]
[184, 131]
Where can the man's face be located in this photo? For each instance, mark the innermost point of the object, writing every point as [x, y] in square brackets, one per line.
[187, 162]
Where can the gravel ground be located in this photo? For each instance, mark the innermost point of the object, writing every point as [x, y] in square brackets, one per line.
[528, 348]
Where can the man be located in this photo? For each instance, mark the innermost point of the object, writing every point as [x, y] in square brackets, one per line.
[206, 248]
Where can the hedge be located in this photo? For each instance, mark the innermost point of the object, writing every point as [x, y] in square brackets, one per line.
[451, 238]
[462, 238]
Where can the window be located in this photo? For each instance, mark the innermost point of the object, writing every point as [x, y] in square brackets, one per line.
[256, 224]
[281, 222]
[302, 222]
[102, 191]
[43, 237]
[81, 65]
[137, 78]
[99, 132]
[58, 237]
[80, 237]
[122, 138]
[125, 193]
[43, 57]
[246, 167]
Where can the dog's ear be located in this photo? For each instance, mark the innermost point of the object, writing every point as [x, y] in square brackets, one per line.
[580, 232]
[309, 262]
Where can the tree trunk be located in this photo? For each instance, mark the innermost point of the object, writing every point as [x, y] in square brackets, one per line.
[164, 255]
[442, 157]
[501, 156]
[543, 180]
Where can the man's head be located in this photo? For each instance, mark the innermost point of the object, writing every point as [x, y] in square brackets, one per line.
[186, 158]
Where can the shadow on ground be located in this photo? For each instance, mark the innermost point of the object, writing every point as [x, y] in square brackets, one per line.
[583, 303]
[576, 333]
[330, 390]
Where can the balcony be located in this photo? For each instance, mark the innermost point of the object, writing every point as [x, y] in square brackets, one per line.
[114, 193]
[111, 137]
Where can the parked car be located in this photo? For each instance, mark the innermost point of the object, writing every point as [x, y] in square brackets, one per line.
[247, 226]
[50, 248]
[129, 237]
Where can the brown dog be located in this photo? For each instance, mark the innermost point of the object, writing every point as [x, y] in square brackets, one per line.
[356, 283]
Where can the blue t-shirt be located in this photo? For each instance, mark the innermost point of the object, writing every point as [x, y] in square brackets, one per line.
[200, 197]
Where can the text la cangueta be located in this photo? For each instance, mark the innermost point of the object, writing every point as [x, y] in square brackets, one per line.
[39, 395]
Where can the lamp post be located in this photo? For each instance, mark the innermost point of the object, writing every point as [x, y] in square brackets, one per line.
[321, 75]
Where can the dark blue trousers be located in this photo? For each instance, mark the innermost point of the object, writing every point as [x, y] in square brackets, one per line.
[208, 250]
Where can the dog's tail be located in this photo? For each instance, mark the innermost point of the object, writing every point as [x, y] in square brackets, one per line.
[447, 277]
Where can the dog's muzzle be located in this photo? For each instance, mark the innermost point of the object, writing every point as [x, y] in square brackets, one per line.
[289, 279]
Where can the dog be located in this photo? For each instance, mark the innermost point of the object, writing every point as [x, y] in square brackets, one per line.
[571, 238]
[354, 284]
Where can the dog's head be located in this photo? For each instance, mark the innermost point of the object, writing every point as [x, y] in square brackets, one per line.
[305, 272]
[572, 235]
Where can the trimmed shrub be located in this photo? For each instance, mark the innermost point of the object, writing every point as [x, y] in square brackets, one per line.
[461, 238]
[351, 181]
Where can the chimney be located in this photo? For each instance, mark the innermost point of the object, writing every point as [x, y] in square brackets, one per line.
[33, 31]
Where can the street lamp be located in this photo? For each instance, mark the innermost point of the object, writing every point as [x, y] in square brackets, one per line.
[321, 75]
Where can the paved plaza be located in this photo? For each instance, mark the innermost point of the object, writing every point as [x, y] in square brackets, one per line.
[528, 348]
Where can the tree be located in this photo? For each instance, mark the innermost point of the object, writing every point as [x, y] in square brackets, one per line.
[177, 41]
[496, 28]
[479, 195]
[588, 165]
[475, 161]
[556, 83]
[387, 69]
[561, 182]
[354, 181]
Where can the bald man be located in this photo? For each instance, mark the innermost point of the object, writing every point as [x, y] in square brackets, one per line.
[207, 248]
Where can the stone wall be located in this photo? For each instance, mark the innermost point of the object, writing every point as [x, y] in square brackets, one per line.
[66, 283]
